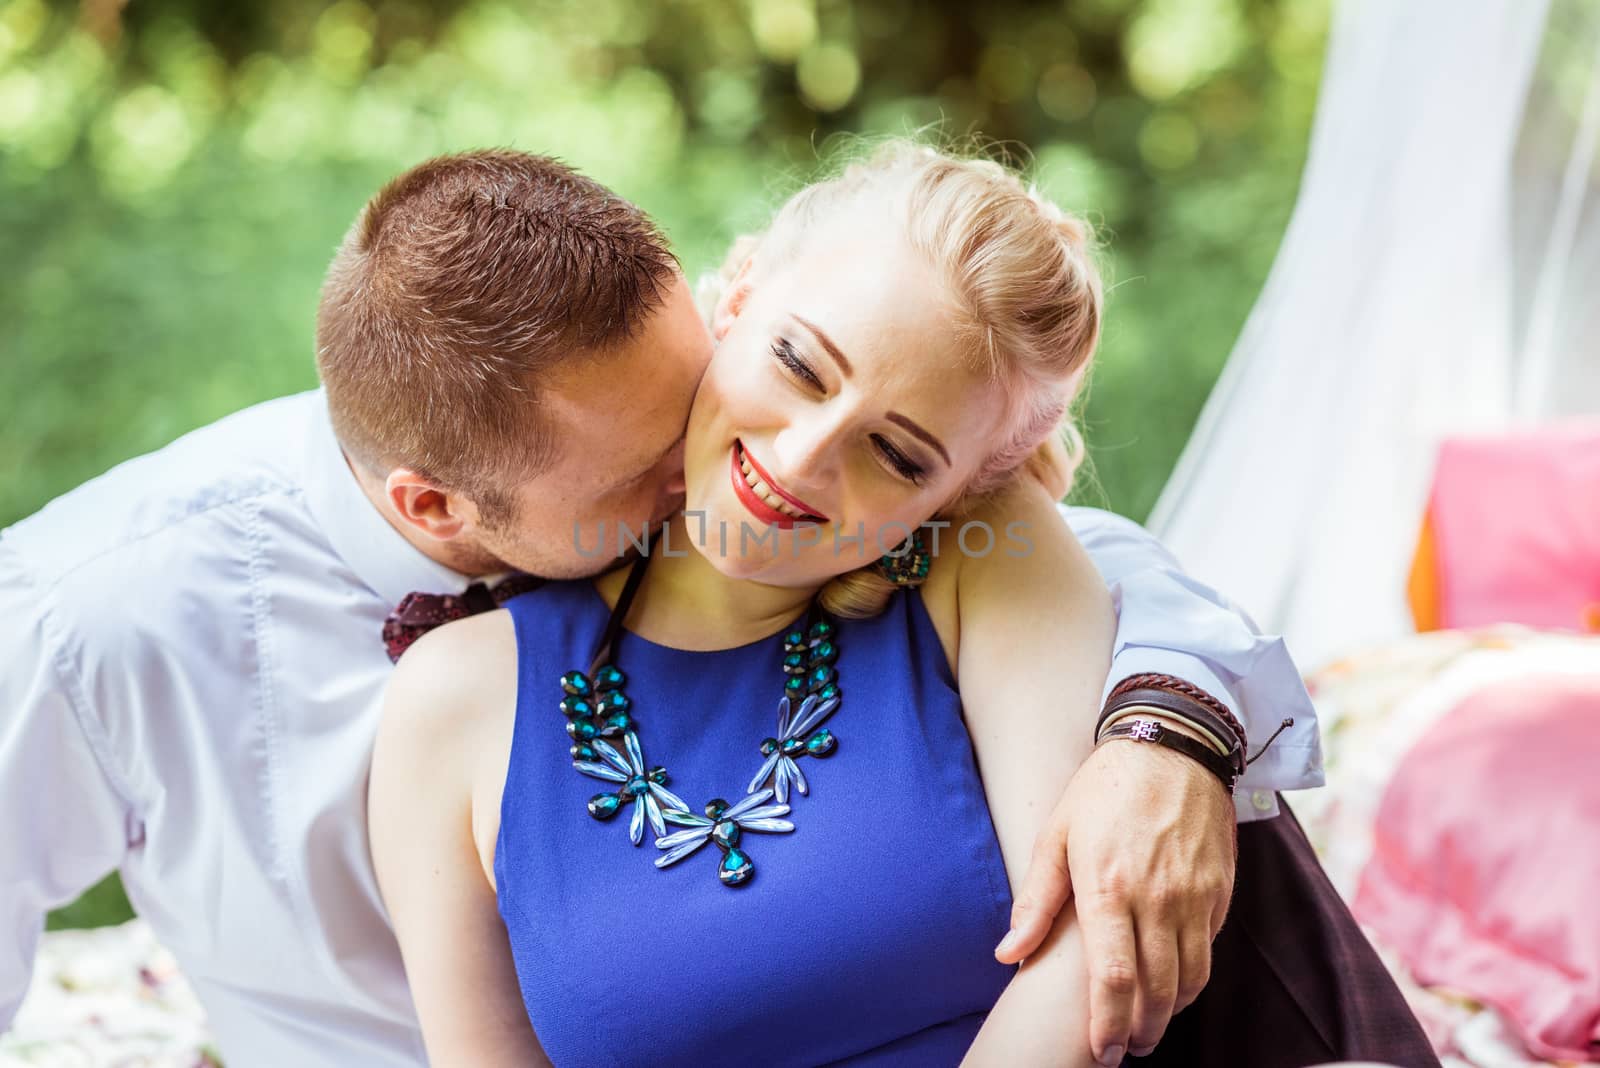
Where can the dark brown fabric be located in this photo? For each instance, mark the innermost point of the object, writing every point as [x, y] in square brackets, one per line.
[1294, 982]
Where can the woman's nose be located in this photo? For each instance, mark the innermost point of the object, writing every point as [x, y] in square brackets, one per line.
[807, 452]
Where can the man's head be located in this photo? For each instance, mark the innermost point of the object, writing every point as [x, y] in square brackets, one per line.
[510, 351]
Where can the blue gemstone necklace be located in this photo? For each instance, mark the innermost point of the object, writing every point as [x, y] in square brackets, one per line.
[596, 708]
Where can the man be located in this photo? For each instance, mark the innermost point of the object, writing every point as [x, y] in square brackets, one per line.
[190, 654]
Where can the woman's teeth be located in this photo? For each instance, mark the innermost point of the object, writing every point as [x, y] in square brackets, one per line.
[764, 491]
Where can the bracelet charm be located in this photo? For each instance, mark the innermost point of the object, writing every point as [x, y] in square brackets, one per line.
[1154, 732]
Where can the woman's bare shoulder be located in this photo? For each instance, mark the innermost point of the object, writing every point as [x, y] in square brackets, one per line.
[450, 712]
[1020, 550]
[456, 679]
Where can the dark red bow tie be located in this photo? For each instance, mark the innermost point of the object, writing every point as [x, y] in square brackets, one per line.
[419, 613]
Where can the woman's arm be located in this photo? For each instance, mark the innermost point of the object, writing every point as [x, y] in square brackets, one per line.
[1026, 653]
[446, 726]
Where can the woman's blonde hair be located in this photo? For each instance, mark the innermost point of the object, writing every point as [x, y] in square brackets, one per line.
[1027, 299]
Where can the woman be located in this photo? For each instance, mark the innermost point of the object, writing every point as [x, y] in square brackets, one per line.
[904, 337]
[761, 797]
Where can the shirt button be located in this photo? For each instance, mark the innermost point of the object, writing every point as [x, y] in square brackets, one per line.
[1262, 800]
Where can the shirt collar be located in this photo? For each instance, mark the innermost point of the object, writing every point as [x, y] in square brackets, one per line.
[388, 564]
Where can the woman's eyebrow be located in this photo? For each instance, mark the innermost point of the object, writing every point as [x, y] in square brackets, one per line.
[916, 431]
[826, 342]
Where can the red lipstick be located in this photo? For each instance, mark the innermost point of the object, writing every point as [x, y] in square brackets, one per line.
[760, 508]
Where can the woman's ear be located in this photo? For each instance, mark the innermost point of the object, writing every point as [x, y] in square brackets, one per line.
[733, 300]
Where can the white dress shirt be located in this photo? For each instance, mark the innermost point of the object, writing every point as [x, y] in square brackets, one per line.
[190, 681]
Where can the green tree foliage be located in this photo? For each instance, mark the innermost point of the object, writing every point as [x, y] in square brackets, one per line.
[174, 173]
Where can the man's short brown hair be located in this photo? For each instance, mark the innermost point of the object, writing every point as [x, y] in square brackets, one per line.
[459, 283]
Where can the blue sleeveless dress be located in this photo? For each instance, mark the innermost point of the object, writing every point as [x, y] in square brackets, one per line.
[866, 934]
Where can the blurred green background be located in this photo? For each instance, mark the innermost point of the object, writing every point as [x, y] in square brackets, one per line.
[174, 175]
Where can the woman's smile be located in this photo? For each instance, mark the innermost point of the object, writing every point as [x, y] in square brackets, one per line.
[760, 493]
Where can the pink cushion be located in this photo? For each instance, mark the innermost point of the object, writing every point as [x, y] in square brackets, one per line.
[1485, 872]
[1516, 523]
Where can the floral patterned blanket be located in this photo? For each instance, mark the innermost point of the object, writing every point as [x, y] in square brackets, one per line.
[113, 996]
[1372, 708]
[109, 996]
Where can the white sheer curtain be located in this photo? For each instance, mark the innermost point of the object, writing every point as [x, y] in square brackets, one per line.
[1440, 275]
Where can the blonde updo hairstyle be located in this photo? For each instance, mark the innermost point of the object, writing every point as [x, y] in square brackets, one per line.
[1026, 301]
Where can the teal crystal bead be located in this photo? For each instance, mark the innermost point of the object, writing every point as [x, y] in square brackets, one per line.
[658, 775]
[736, 868]
[794, 664]
[820, 676]
[634, 787]
[608, 678]
[726, 834]
[769, 746]
[822, 628]
[604, 806]
[825, 652]
[574, 705]
[575, 683]
[616, 723]
[792, 747]
[821, 743]
[582, 730]
[716, 807]
[828, 692]
[585, 751]
[795, 685]
[614, 701]
[794, 640]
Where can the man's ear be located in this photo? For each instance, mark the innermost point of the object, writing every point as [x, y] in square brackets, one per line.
[732, 301]
[425, 506]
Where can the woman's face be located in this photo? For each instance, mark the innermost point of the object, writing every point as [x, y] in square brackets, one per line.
[836, 415]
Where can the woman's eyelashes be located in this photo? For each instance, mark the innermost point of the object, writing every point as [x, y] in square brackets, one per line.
[903, 465]
[795, 363]
[786, 354]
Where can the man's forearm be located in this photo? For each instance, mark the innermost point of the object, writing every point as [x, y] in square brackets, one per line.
[1172, 625]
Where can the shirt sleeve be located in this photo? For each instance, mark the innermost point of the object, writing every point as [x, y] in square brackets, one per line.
[63, 824]
[1169, 624]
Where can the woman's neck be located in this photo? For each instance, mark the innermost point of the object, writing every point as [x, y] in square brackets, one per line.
[686, 603]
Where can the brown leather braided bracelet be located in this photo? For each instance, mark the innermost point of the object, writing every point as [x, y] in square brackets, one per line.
[1182, 688]
[1188, 704]
[1150, 730]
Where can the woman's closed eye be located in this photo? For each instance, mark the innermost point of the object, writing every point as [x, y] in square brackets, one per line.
[903, 465]
[786, 354]
[795, 364]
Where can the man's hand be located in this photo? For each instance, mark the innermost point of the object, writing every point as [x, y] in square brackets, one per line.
[1144, 839]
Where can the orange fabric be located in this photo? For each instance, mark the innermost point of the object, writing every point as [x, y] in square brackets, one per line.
[1422, 586]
